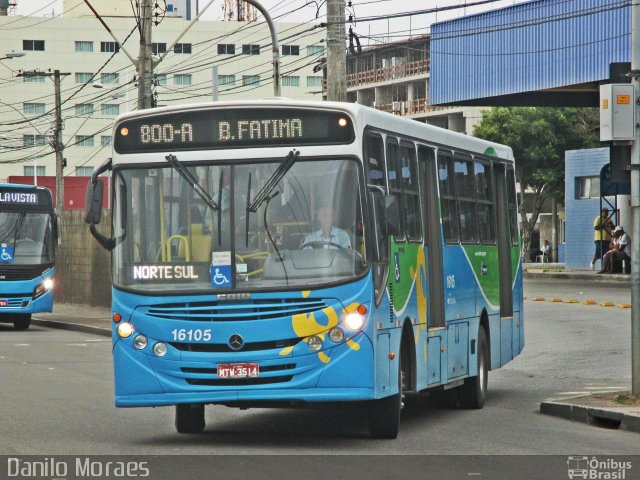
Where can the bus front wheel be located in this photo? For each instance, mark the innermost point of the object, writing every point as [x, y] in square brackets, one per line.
[21, 321]
[384, 414]
[190, 418]
[474, 391]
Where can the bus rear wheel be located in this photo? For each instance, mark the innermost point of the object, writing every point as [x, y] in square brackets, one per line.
[190, 418]
[474, 391]
[21, 321]
[384, 414]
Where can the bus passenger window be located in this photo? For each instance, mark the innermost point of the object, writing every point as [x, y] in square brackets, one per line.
[465, 194]
[374, 156]
[395, 185]
[512, 205]
[484, 194]
[410, 194]
[447, 199]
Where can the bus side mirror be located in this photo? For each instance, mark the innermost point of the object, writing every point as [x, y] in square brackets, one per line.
[392, 214]
[93, 208]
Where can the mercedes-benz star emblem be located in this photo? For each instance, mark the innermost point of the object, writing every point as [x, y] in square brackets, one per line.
[236, 342]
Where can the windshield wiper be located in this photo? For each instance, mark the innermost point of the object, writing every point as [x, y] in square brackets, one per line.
[280, 172]
[193, 181]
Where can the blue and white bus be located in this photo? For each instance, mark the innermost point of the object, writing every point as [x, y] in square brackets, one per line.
[277, 252]
[27, 244]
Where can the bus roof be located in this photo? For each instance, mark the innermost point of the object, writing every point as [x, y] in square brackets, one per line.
[22, 186]
[363, 116]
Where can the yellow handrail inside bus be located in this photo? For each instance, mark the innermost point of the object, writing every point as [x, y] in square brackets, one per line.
[163, 234]
[182, 241]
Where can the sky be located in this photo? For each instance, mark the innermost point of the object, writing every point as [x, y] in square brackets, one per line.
[380, 30]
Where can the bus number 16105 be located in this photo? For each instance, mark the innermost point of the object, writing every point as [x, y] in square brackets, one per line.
[197, 335]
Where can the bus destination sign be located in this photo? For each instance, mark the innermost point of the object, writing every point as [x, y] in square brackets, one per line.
[18, 197]
[230, 128]
[24, 197]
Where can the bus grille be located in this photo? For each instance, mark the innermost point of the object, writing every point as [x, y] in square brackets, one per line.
[223, 382]
[16, 302]
[229, 382]
[20, 272]
[256, 309]
[223, 347]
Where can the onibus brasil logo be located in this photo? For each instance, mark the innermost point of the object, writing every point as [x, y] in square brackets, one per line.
[597, 469]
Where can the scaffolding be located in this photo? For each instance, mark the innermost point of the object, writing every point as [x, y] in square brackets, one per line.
[238, 11]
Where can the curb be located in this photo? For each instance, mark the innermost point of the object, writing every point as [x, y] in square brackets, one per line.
[599, 417]
[616, 278]
[76, 327]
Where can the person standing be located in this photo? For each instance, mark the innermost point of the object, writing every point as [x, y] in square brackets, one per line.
[602, 227]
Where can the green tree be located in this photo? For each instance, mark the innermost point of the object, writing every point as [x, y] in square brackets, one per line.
[539, 136]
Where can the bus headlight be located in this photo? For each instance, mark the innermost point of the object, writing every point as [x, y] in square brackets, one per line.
[336, 335]
[160, 349]
[354, 321]
[44, 287]
[140, 342]
[315, 343]
[125, 329]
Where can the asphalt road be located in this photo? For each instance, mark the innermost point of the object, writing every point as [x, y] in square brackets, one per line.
[57, 398]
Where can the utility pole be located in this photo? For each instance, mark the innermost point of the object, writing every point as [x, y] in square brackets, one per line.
[336, 51]
[145, 62]
[57, 144]
[635, 205]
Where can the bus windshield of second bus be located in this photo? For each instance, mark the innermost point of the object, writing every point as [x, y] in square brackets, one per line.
[170, 236]
[25, 237]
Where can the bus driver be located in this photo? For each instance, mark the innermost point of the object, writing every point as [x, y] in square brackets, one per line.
[328, 236]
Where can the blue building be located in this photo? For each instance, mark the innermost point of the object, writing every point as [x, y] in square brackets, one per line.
[582, 203]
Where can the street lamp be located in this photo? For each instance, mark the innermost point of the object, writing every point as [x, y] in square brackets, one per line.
[12, 54]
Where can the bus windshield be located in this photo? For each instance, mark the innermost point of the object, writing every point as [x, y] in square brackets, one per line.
[308, 231]
[26, 238]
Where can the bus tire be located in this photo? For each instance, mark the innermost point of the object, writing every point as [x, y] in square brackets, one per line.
[190, 418]
[474, 391]
[384, 414]
[21, 321]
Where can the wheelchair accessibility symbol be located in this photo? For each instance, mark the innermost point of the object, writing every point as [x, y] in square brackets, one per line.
[220, 276]
[6, 253]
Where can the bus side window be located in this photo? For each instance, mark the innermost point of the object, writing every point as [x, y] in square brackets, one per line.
[395, 185]
[447, 199]
[466, 197]
[512, 205]
[374, 155]
[410, 195]
[484, 194]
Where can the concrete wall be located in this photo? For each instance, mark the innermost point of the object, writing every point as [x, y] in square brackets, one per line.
[83, 267]
[580, 213]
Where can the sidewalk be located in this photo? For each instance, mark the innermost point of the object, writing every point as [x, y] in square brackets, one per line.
[77, 317]
[556, 271]
[597, 409]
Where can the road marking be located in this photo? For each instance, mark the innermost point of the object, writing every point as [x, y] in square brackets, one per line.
[604, 388]
[22, 345]
[76, 344]
[573, 300]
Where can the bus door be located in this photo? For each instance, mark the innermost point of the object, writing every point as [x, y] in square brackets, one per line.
[435, 269]
[504, 236]
[433, 241]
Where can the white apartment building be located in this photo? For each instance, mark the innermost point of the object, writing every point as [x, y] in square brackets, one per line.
[86, 55]
[394, 77]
